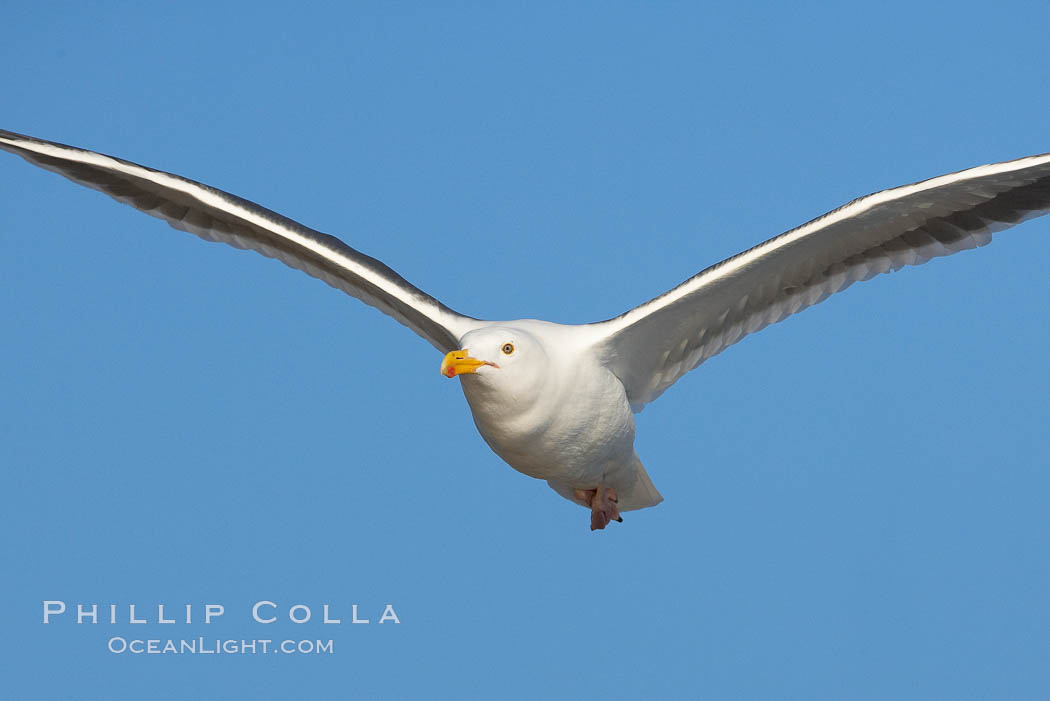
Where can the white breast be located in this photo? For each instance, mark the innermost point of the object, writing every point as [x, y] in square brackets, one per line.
[576, 428]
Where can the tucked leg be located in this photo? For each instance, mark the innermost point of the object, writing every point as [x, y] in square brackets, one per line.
[603, 505]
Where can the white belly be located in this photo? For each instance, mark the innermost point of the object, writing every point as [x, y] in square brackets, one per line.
[579, 434]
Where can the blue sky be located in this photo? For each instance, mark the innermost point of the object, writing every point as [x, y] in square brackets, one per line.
[855, 498]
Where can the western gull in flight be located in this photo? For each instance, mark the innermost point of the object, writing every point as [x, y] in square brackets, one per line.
[557, 401]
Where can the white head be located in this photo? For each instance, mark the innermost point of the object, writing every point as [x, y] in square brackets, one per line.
[504, 360]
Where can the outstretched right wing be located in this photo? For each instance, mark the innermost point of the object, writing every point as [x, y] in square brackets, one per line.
[215, 215]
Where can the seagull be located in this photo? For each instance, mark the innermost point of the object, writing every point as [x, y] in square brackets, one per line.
[556, 401]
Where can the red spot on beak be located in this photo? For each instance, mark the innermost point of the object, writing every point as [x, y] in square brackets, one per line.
[451, 372]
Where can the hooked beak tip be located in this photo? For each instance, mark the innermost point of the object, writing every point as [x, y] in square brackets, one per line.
[459, 362]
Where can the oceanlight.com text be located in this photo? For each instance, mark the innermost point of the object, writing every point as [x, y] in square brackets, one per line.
[216, 646]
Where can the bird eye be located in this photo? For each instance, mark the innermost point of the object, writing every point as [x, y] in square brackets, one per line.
[508, 348]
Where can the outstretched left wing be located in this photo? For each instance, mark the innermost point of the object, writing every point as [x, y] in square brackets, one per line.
[654, 344]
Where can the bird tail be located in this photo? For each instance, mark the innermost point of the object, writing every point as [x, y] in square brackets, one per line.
[641, 494]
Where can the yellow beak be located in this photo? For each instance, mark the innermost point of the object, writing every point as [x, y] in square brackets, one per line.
[459, 362]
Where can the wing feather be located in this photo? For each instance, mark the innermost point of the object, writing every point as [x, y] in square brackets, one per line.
[218, 216]
[654, 344]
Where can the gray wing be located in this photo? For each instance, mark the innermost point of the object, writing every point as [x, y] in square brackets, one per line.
[654, 344]
[215, 215]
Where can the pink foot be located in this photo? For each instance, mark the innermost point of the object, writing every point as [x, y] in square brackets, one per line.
[603, 505]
